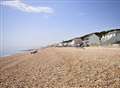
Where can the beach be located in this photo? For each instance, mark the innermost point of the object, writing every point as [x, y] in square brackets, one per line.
[62, 67]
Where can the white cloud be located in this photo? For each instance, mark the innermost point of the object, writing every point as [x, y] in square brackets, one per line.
[18, 4]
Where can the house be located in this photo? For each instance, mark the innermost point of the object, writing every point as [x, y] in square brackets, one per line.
[60, 44]
[67, 43]
[77, 42]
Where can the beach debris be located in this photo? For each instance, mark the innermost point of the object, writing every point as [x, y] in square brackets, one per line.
[33, 51]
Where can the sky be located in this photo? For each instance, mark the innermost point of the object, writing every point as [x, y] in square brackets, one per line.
[36, 23]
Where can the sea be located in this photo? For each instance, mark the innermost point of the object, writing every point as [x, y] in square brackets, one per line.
[12, 51]
[5, 53]
[9, 52]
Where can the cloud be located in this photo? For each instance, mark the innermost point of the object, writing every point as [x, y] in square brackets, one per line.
[18, 4]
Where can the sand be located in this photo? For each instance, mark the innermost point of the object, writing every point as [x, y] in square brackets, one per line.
[94, 67]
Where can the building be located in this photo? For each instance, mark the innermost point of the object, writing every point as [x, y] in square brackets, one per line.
[60, 44]
[67, 43]
[77, 42]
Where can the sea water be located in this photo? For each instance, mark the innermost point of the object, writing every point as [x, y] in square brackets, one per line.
[4, 53]
[9, 52]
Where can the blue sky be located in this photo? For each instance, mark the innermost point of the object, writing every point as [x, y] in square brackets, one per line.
[49, 21]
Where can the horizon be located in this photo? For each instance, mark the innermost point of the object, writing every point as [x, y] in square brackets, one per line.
[33, 24]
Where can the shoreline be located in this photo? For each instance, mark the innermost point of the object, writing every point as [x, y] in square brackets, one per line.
[29, 50]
